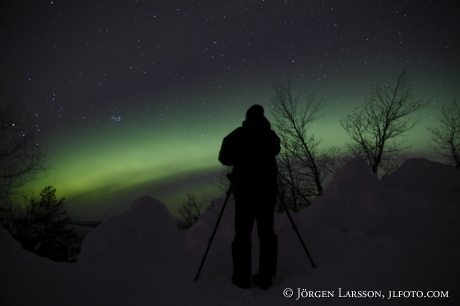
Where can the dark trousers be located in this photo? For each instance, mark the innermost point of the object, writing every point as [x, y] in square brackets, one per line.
[258, 206]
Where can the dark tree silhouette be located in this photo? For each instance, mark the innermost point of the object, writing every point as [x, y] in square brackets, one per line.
[446, 138]
[44, 227]
[191, 210]
[21, 158]
[303, 167]
[376, 125]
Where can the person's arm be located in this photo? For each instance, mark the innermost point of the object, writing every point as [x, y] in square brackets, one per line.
[227, 154]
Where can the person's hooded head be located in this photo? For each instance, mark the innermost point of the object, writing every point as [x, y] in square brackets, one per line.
[255, 117]
[255, 112]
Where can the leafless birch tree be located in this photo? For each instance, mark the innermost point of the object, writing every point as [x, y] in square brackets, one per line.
[301, 164]
[446, 138]
[377, 127]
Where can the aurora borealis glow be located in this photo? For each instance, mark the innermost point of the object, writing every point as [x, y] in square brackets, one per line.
[135, 97]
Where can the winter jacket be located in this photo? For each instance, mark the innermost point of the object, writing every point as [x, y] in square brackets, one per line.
[251, 150]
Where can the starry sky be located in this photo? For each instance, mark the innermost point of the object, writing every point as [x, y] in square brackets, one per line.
[134, 97]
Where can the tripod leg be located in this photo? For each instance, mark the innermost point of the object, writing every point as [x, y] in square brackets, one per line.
[213, 233]
[294, 226]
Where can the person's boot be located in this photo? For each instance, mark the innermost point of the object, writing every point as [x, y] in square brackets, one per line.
[262, 281]
[241, 255]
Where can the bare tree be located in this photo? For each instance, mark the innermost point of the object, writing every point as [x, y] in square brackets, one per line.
[446, 138]
[21, 158]
[301, 164]
[294, 189]
[376, 126]
[191, 210]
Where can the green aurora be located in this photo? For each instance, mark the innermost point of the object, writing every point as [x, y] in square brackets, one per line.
[105, 170]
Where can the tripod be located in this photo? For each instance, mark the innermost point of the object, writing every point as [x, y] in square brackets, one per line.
[229, 191]
[294, 226]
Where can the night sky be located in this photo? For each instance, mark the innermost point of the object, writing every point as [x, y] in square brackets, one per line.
[135, 97]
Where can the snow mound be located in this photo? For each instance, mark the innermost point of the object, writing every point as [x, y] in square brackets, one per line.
[8, 246]
[354, 200]
[146, 226]
[426, 178]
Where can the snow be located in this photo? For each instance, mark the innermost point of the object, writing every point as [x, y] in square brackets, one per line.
[145, 228]
[395, 234]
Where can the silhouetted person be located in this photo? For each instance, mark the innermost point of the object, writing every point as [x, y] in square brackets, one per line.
[251, 150]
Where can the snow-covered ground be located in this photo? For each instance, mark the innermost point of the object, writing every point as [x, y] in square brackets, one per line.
[366, 236]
